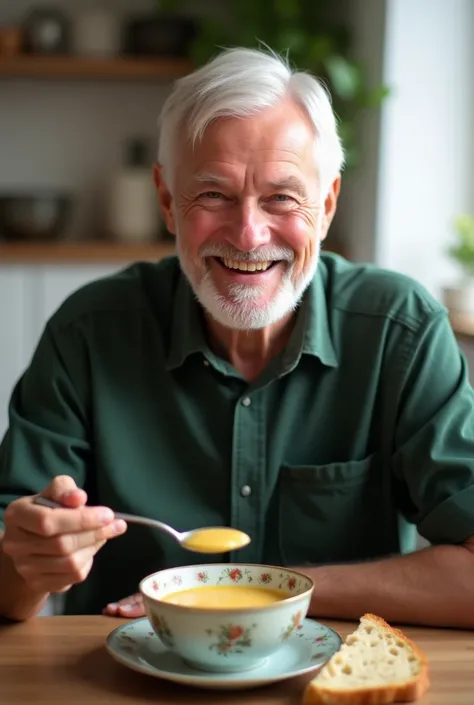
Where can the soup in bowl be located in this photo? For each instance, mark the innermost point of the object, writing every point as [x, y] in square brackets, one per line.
[226, 617]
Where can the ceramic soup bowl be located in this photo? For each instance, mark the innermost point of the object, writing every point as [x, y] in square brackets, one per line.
[226, 639]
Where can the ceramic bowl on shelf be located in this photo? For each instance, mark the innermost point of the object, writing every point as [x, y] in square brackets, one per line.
[34, 217]
[226, 638]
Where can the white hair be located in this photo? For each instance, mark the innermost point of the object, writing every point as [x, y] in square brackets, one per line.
[238, 83]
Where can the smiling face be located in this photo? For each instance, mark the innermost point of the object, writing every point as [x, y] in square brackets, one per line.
[249, 216]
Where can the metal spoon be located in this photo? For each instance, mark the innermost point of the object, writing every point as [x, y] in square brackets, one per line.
[194, 540]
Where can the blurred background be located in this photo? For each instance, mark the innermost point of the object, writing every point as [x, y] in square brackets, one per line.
[81, 86]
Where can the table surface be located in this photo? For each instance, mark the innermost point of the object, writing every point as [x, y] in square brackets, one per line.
[62, 660]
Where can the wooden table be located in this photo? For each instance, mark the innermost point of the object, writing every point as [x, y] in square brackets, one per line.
[62, 661]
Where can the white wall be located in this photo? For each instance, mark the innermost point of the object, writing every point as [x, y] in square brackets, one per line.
[426, 173]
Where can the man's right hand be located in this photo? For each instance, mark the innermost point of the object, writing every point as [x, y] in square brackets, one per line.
[52, 549]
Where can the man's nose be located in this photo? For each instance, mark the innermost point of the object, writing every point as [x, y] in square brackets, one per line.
[250, 229]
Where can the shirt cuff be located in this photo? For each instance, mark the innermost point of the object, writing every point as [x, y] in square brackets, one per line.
[452, 521]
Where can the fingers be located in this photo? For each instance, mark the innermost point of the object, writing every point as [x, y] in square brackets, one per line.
[19, 543]
[53, 549]
[46, 522]
[43, 521]
[131, 611]
[64, 490]
[72, 499]
[130, 607]
[54, 574]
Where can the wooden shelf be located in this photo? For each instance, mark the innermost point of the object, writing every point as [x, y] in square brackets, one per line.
[72, 253]
[95, 251]
[92, 251]
[120, 68]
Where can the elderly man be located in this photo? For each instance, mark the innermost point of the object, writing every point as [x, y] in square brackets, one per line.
[320, 406]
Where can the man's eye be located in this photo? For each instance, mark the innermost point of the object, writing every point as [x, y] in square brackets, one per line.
[281, 197]
[214, 195]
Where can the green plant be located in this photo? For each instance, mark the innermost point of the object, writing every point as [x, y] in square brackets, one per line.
[463, 250]
[297, 28]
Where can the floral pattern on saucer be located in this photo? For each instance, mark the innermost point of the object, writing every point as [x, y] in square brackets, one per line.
[306, 649]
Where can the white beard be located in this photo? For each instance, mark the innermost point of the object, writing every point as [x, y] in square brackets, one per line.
[239, 310]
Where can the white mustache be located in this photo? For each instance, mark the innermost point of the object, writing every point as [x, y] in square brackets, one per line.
[266, 253]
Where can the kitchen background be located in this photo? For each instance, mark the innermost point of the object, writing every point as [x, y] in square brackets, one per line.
[81, 85]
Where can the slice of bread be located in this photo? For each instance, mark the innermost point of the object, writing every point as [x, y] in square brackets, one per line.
[376, 665]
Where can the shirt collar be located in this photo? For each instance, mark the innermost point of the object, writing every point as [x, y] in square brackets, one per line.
[311, 334]
[317, 336]
[187, 326]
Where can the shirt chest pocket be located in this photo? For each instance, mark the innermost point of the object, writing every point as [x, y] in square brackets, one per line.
[329, 513]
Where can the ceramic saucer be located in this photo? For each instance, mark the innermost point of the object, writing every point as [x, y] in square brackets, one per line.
[135, 645]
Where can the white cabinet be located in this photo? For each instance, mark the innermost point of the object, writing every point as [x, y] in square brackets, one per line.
[29, 295]
[55, 284]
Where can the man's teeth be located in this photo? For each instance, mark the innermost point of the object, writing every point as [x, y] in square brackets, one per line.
[247, 266]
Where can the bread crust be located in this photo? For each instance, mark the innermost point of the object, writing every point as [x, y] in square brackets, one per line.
[413, 689]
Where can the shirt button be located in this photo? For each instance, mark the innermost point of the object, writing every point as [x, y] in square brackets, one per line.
[246, 401]
[246, 491]
[206, 363]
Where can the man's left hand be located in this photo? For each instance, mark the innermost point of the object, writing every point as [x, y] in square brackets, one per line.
[131, 607]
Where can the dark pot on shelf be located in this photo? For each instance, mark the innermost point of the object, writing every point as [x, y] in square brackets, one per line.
[159, 35]
[34, 217]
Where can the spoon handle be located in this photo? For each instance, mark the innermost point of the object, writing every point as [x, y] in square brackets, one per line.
[43, 502]
[154, 523]
[131, 518]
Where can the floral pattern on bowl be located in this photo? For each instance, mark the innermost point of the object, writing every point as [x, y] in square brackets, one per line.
[295, 622]
[162, 629]
[231, 638]
[233, 574]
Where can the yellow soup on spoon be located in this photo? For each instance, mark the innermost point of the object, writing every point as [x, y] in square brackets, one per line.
[215, 540]
[226, 596]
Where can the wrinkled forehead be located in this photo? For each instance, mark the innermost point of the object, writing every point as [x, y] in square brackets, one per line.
[277, 142]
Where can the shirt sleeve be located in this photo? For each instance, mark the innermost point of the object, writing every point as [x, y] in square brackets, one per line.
[434, 440]
[48, 433]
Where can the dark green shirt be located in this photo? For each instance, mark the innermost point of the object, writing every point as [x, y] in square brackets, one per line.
[359, 432]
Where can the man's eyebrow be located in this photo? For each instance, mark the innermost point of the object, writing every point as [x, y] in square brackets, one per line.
[209, 177]
[289, 183]
[286, 183]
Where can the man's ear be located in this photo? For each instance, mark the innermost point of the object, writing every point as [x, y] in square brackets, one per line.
[165, 199]
[330, 205]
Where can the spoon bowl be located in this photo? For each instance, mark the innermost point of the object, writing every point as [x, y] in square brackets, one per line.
[210, 539]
